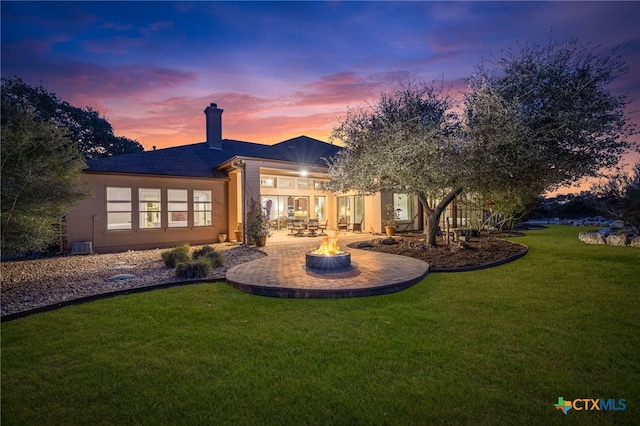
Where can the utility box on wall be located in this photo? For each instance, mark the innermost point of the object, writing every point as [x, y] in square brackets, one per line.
[84, 247]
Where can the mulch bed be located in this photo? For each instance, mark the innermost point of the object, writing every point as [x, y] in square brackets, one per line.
[477, 252]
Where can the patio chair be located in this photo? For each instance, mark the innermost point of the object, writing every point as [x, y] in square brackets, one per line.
[323, 228]
[342, 224]
[291, 226]
[312, 227]
[357, 227]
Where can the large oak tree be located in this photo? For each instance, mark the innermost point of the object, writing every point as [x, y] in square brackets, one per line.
[535, 119]
[408, 141]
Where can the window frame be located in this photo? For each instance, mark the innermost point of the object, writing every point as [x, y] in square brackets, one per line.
[114, 202]
[196, 211]
[145, 212]
[172, 203]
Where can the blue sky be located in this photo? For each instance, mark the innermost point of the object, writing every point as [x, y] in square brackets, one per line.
[278, 69]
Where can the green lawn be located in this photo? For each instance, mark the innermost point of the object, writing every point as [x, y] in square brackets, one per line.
[497, 346]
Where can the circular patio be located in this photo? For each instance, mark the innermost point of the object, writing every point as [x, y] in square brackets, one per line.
[282, 273]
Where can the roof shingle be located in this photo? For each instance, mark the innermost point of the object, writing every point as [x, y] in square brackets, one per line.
[198, 160]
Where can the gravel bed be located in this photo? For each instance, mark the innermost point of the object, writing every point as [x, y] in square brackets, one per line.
[29, 284]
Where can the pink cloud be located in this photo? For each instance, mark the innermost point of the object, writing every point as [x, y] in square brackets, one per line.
[344, 88]
[180, 120]
[77, 82]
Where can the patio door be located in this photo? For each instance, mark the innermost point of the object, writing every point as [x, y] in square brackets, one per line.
[351, 208]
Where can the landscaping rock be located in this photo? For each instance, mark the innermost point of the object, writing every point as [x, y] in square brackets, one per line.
[617, 224]
[121, 277]
[635, 242]
[388, 241]
[618, 240]
[364, 244]
[461, 245]
[592, 238]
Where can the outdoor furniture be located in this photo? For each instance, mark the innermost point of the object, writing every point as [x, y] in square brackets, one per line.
[291, 226]
[342, 224]
[323, 228]
[312, 227]
[357, 227]
[299, 227]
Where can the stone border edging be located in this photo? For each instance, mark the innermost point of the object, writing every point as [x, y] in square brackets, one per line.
[95, 297]
[487, 265]
[293, 293]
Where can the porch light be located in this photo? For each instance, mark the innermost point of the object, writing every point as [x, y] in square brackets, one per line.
[303, 173]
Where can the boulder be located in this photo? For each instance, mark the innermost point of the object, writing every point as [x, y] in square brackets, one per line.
[592, 238]
[635, 242]
[618, 240]
[617, 224]
[364, 244]
[388, 241]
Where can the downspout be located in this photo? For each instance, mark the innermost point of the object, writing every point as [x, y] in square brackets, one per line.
[240, 165]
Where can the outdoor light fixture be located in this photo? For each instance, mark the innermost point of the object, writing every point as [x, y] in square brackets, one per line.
[303, 173]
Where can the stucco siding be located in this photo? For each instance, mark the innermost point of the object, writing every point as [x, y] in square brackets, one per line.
[87, 221]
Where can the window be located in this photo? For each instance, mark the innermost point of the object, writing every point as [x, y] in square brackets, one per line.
[267, 182]
[403, 206]
[177, 207]
[118, 208]
[285, 183]
[303, 184]
[149, 202]
[351, 208]
[201, 207]
[319, 208]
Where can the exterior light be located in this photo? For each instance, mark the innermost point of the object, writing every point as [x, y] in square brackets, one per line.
[303, 173]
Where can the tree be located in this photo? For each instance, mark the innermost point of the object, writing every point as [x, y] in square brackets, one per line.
[39, 168]
[541, 118]
[408, 141]
[619, 195]
[92, 133]
[563, 123]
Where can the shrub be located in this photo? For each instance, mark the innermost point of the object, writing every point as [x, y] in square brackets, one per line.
[214, 257]
[196, 269]
[176, 255]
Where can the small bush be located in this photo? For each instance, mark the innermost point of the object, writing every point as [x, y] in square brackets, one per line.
[214, 257]
[196, 269]
[203, 251]
[176, 255]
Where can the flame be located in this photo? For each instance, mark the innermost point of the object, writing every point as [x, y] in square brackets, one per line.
[328, 247]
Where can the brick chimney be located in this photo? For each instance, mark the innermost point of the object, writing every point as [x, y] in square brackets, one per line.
[214, 126]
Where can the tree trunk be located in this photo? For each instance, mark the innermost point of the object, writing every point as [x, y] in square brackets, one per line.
[432, 215]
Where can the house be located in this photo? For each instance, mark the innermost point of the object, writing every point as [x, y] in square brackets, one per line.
[195, 192]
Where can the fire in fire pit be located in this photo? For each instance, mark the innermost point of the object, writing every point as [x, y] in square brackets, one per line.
[328, 257]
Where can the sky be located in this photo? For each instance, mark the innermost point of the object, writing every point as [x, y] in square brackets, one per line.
[280, 69]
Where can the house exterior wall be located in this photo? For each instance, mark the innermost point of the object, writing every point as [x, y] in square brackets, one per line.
[87, 221]
[255, 169]
[235, 203]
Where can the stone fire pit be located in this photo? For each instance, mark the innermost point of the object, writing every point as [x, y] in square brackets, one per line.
[328, 257]
[328, 262]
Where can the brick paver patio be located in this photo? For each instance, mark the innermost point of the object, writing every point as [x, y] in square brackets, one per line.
[282, 272]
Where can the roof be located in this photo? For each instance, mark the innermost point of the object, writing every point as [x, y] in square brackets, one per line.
[195, 160]
[198, 160]
[303, 149]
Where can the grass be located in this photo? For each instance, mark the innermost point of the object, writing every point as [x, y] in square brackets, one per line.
[497, 346]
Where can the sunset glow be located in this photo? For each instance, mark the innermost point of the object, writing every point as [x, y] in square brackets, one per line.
[279, 70]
